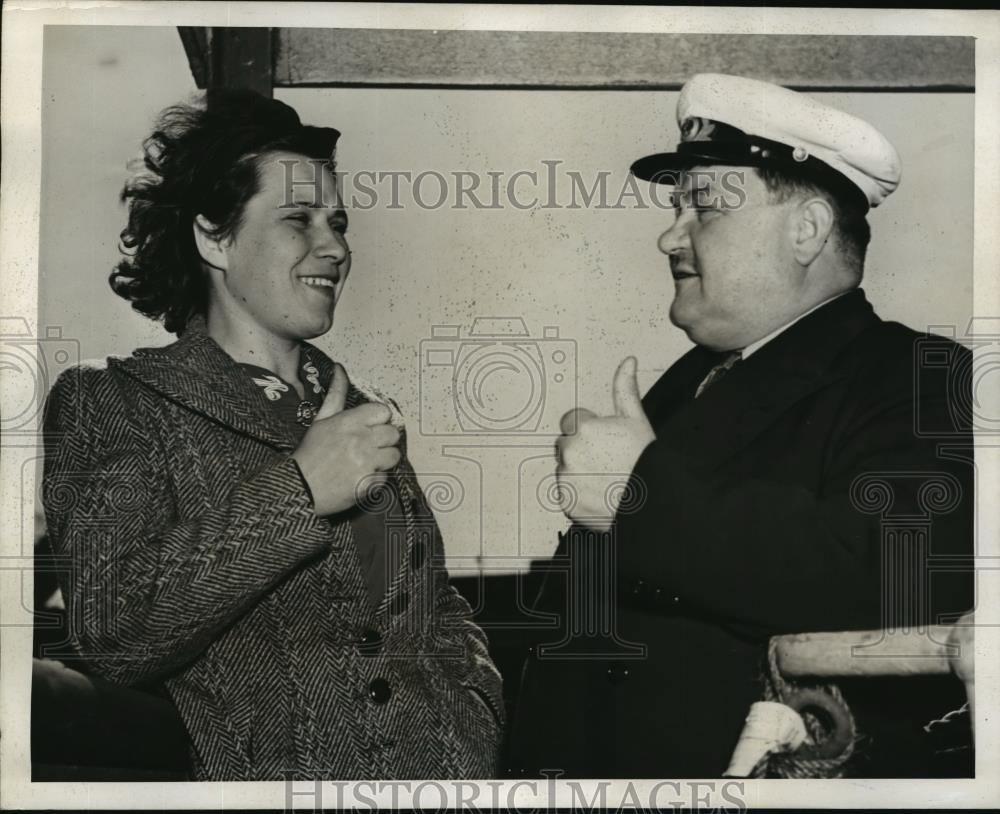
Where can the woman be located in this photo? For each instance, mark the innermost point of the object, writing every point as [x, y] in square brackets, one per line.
[243, 524]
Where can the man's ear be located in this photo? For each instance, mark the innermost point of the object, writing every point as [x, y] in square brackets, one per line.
[814, 228]
[211, 248]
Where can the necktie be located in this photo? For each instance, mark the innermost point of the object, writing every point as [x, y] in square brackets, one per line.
[718, 372]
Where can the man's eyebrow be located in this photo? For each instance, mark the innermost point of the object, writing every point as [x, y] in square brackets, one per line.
[682, 190]
[693, 195]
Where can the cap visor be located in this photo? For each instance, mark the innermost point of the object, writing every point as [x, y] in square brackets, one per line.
[662, 168]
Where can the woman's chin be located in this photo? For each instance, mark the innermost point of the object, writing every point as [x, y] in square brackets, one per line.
[317, 327]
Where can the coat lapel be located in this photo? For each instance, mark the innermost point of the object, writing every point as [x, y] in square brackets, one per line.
[677, 386]
[196, 373]
[324, 364]
[758, 390]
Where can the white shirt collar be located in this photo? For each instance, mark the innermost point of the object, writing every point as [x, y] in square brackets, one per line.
[753, 347]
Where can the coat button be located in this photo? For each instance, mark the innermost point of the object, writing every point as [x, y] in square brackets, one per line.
[400, 602]
[370, 643]
[676, 600]
[418, 554]
[638, 587]
[379, 691]
[617, 673]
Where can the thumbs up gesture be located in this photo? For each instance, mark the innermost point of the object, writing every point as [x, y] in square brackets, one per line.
[346, 453]
[596, 454]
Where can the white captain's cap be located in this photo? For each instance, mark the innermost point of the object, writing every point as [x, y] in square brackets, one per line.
[737, 121]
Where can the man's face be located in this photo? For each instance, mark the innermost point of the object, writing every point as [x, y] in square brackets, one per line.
[287, 264]
[735, 279]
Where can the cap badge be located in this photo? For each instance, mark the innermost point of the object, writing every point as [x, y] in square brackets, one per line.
[696, 128]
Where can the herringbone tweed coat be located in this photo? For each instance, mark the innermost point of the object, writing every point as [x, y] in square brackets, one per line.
[198, 563]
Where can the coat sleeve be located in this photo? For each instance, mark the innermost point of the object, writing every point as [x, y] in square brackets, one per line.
[457, 634]
[146, 591]
[774, 556]
[456, 640]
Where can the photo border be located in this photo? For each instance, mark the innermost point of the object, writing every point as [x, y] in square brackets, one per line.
[20, 98]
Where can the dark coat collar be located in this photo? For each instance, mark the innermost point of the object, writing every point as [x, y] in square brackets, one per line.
[796, 363]
[196, 373]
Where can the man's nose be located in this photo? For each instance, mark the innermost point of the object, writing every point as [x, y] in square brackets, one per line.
[677, 236]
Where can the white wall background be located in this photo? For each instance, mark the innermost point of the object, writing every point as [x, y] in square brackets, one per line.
[596, 276]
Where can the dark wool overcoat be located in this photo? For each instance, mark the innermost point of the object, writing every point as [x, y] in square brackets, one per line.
[198, 564]
[825, 483]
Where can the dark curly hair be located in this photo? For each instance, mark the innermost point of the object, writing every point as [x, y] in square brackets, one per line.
[202, 158]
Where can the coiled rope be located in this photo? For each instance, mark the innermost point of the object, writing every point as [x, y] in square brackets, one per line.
[829, 724]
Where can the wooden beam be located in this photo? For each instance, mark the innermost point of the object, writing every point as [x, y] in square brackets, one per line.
[196, 46]
[242, 58]
[230, 57]
[539, 59]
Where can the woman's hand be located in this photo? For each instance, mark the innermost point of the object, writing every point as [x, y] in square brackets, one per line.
[346, 453]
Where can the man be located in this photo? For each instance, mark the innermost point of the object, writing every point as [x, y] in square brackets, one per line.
[754, 467]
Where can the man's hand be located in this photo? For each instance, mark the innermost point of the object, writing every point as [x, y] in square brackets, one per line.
[346, 453]
[596, 455]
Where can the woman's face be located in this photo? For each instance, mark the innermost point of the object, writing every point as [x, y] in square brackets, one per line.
[286, 264]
